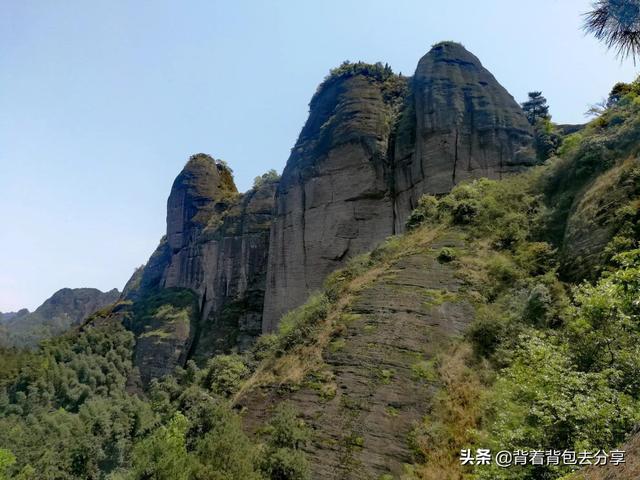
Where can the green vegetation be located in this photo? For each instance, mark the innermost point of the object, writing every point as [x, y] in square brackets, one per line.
[283, 458]
[547, 139]
[394, 86]
[536, 108]
[65, 412]
[552, 359]
[7, 459]
[547, 363]
[269, 177]
[616, 24]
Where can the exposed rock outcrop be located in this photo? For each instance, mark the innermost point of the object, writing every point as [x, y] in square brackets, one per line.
[459, 123]
[216, 247]
[355, 174]
[374, 142]
[374, 388]
[333, 200]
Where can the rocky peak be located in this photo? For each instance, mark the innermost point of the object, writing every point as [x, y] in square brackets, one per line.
[76, 303]
[374, 142]
[333, 200]
[458, 93]
[360, 166]
[215, 248]
[201, 191]
[459, 123]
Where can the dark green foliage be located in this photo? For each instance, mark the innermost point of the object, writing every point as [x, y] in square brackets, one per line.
[163, 454]
[225, 372]
[536, 108]
[286, 430]
[394, 87]
[485, 335]
[540, 399]
[7, 459]
[537, 310]
[620, 90]
[66, 414]
[283, 459]
[446, 255]
[616, 23]
[425, 212]
[464, 212]
[286, 464]
[13, 359]
[269, 177]
[536, 258]
[547, 140]
[603, 328]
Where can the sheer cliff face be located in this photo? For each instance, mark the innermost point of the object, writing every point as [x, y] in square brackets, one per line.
[333, 200]
[374, 142]
[355, 174]
[216, 247]
[459, 123]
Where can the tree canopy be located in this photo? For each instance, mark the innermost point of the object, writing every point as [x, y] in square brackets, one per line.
[617, 24]
[536, 107]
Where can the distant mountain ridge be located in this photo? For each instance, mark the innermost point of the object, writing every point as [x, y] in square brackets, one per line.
[6, 317]
[66, 308]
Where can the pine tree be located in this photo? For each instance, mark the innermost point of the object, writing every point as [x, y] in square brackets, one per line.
[536, 107]
[617, 24]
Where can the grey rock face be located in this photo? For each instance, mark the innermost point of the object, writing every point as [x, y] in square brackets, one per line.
[374, 142]
[459, 123]
[216, 247]
[203, 190]
[355, 175]
[227, 267]
[333, 200]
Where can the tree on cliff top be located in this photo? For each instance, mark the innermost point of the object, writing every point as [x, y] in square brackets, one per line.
[617, 24]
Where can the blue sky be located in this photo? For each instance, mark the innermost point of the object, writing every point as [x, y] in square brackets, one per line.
[102, 102]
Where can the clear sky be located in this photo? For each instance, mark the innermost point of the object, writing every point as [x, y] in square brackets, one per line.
[102, 102]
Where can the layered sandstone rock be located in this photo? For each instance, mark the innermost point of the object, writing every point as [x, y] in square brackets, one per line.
[459, 123]
[333, 200]
[374, 142]
[355, 174]
[216, 247]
